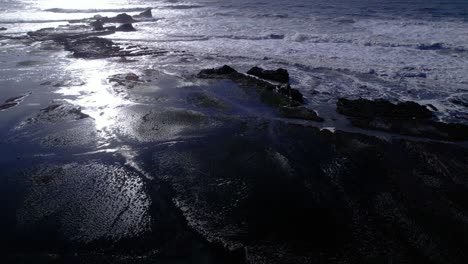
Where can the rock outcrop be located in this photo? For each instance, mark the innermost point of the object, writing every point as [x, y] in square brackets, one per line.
[406, 118]
[125, 28]
[280, 75]
[299, 112]
[145, 14]
[14, 101]
[95, 47]
[381, 108]
[294, 96]
[119, 19]
[288, 100]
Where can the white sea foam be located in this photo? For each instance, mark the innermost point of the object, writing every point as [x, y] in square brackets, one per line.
[329, 49]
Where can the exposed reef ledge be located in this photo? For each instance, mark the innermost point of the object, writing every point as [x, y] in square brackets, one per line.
[405, 118]
[288, 100]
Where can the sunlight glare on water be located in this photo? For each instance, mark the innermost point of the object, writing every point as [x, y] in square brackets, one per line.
[95, 96]
[81, 4]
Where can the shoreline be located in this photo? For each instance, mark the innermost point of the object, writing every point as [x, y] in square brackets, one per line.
[141, 165]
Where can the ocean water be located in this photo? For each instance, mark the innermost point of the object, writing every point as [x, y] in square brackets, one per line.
[399, 50]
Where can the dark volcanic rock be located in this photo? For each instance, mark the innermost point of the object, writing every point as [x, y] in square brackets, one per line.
[62, 110]
[125, 28]
[299, 112]
[415, 127]
[97, 25]
[214, 72]
[293, 96]
[61, 34]
[407, 118]
[11, 102]
[120, 18]
[95, 47]
[57, 111]
[435, 46]
[381, 108]
[295, 194]
[292, 93]
[145, 14]
[129, 80]
[279, 75]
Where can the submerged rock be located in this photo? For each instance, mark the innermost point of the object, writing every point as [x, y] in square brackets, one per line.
[279, 75]
[406, 118]
[205, 101]
[299, 112]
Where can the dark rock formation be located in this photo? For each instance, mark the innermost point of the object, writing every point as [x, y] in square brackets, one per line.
[95, 47]
[145, 14]
[407, 118]
[120, 18]
[461, 100]
[61, 34]
[279, 75]
[417, 127]
[293, 95]
[381, 108]
[299, 112]
[302, 195]
[128, 80]
[435, 46]
[125, 28]
[3, 29]
[411, 72]
[97, 25]
[57, 111]
[11, 102]
[224, 70]
[62, 110]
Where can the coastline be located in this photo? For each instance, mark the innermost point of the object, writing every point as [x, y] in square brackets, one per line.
[120, 159]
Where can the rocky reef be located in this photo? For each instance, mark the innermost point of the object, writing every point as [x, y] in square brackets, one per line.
[82, 37]
[283, 96]
[279, 75]
[405, 118]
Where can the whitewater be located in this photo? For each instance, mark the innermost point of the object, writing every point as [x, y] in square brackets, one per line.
[396, 50]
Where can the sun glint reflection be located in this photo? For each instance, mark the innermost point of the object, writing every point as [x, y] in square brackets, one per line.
[93, 93]
[81, 4]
